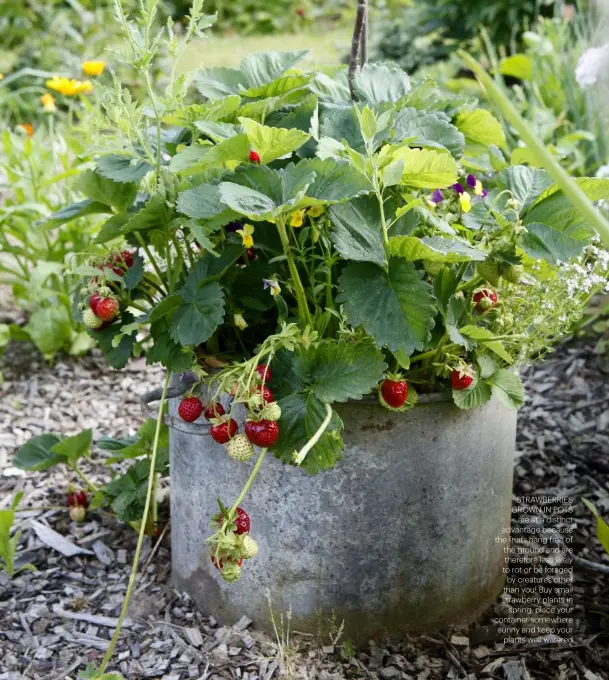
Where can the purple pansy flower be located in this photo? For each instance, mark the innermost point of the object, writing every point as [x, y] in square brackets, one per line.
[437, 197]
[232, 227]
[471, 181]
[458, 187]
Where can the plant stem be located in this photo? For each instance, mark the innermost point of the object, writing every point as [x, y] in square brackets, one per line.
[569, 187]
[248, 484]
[83, 478]
[379, 196]
[140, 538]
[301, 298]
[302, 454]
[153, 262]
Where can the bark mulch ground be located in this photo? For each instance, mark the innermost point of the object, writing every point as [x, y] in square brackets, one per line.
[57, 619]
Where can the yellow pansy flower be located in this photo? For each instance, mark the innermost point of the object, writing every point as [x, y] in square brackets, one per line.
[478, 189]
[297, 218]
[69, 88]
[93, 68]
[465, 202]
[316, 210]
[48, 102]
[246, 235]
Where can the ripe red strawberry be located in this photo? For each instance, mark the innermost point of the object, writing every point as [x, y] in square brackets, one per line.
[461, 380]
[262, 433]
[265, 392]
[127, 257]
[251, 254]
[190, 409]
[224, 431]
[94, 300]
[264, 372]
[254, 157]
[242, 521]
[107, 308]
[395, 392]
[78, 498]
[213, 411]
[484, 299]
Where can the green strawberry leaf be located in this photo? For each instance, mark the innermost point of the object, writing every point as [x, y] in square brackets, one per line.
[74, 447]
[431, 129]
[357, 232]
[376, 83]
[271, 143]
[480, 128]
[38, 454]
[264, 67]
[476, 395]
[166, 351]
[508, 388]
[122, 168]
[98, 188]
[335, 371]
[333, 181]
[76, 210]
[525, 183]
[301, 416]
[155, 214]
[201, 312]
[134, 274]
[396, 307]
[543, 242]
[425, 169]
[485, 338]
[117, 356]
[434, 249]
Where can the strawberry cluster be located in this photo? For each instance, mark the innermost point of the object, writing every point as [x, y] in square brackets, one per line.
[261, 427]
[103, 305]
[78, 503]
[232, 543]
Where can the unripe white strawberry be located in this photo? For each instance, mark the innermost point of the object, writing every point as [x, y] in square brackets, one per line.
[271, 411]
[250, 547]
[90, 320]
[78, 513]
[239, 448]
[513, 273]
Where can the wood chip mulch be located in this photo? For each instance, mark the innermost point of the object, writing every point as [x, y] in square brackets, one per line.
[57, 619]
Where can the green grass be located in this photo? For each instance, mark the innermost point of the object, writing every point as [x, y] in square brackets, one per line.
[327, 49]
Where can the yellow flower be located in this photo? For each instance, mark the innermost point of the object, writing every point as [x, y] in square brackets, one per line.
[48, 102]
[465, 202]
[316, 210]
[478, 189]
[93, 68]
[297, 218]
[1, 76]
[240, 322]
[69, 88]
[246, 235]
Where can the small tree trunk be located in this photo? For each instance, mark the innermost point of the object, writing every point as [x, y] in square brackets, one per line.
[358, 43]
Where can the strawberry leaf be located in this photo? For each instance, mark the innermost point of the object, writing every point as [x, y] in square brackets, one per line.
[98, 188]
[335, 371]
[357, 233]
[38, 454]
[75, 447]
[508, 388]
[301, 416]
[476, 395]
[431, 129]
[396, 307]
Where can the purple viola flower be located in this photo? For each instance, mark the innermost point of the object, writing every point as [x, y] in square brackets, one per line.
[232, 227]
[459, 188]
[437, 197]
[471, 181]
[484, 193]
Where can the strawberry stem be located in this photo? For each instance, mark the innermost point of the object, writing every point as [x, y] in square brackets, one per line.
[248, 484]
[140, 538]
[81, 475]
[302, 454]
[301, 298]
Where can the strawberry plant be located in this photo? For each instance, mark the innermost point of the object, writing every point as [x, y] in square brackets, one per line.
[295, 240]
